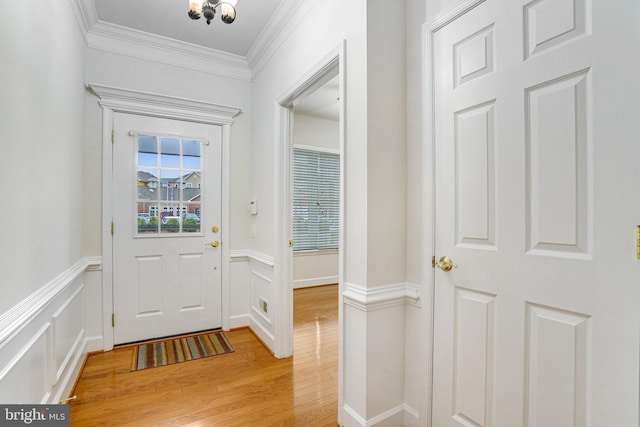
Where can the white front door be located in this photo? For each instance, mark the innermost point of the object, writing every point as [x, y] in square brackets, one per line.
[536, 158]
[166, 253]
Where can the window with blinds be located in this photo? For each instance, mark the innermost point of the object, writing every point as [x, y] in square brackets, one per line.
[316, 200]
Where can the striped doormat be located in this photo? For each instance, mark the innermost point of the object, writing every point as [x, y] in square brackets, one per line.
[181, 349]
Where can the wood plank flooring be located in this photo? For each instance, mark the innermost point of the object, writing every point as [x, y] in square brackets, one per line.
[246, 388]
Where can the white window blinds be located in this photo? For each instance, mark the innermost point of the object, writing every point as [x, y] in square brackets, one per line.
[316, 200]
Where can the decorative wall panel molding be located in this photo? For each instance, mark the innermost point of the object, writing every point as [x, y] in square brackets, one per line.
[43, 340]
[18, 316]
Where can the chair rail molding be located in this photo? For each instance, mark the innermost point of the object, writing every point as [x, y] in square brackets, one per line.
[43, 338]
[244, 255]
[379, 297]
[12, 321]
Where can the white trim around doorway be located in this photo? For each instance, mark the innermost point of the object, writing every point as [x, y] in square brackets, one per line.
[332, 64]
[118, 100]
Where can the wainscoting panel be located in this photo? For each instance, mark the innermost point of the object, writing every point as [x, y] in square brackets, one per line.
[374, 354]
[262, 298]
[27, 378]
[43, 340]
[68, 331]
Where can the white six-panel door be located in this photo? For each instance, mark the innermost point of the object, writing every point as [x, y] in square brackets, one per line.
[166, 215]
[535, 142]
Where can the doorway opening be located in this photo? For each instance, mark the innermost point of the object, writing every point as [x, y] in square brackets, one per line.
[320, 93]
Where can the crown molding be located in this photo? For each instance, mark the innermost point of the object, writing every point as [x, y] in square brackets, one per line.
[139, 44]
[86, 15]
[287, 17]
[121, 40]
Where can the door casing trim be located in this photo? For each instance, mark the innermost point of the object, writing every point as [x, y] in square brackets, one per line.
[332, 64]
[117, 100]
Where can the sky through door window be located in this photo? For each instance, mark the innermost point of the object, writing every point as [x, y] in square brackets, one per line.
[316, 200]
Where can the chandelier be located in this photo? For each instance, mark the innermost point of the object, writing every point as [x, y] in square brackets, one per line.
[208, 8]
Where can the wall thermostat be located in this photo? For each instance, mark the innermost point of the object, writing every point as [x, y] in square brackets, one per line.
[253, 207]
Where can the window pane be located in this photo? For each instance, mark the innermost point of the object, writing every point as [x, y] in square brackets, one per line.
[191, 218]
[147, 150]
[170, 157]
[146, 223]
[168, 186]
[191, 187]
[191, 155]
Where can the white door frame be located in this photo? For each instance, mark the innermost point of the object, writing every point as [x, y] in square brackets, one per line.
[333, 63]
[428, 178]
[117, 100]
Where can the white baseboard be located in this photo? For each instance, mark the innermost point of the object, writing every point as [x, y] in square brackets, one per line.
[95, 343]
[314, 281]
[390, 418]
[239, 321]
[267, 337]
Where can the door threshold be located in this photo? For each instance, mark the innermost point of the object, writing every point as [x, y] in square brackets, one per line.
[163, 338]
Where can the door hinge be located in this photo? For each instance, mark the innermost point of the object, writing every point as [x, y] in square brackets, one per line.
[112, 228]
[638, 242]
[113, 320]
[113, 136]
[433, 261]
[290, 243]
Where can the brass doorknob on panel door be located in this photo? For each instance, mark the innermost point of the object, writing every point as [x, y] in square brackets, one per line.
[213, 244]
[446, 264]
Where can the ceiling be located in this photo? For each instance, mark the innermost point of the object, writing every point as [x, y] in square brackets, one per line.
[168, 18]
[322, 103]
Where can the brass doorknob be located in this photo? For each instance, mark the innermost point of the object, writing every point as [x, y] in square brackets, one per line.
[213, 244]
[446, 264]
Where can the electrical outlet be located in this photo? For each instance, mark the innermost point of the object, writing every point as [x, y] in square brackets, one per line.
[264, 306]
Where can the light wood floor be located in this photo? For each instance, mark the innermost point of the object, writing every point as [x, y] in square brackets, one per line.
[246, 388]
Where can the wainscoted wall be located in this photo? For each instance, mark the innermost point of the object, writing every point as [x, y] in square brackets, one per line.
[255, 271]
[373, 317]
[43, 339]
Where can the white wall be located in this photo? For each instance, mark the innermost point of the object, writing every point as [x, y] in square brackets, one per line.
[313, 268]
[42, 116]
[375, 241]
[45, 280]
[311, 34]
[316, 132]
